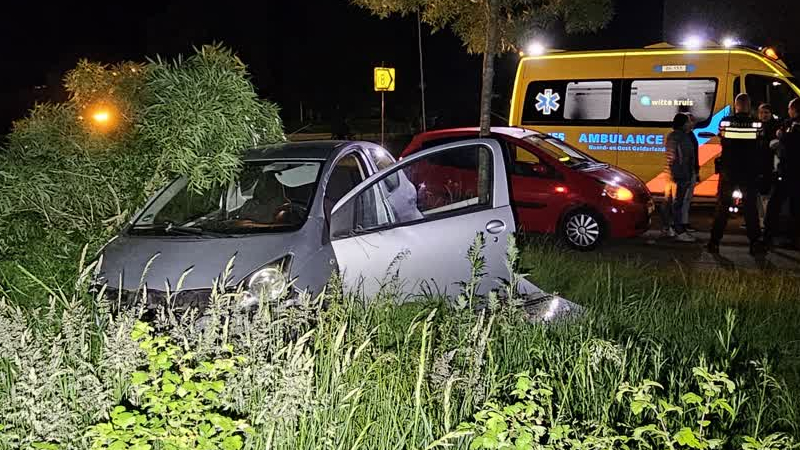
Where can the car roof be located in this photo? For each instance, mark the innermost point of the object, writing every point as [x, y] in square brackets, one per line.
[422, 138]
[317, 150]
[515, 132]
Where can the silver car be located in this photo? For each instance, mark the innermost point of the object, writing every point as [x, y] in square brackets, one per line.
[300, 211]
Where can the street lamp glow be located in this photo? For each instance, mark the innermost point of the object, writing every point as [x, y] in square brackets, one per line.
[693, 42]
[536, 48]
[729, 42]
[102, 116]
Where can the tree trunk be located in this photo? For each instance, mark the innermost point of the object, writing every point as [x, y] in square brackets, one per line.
[493, 12]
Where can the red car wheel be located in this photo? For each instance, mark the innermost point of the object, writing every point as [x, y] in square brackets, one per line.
[582, 229]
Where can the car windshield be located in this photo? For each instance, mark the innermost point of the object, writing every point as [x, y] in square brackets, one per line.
[268, 196]
[560, 150]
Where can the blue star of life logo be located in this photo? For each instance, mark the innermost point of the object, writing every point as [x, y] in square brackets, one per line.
[547, 101]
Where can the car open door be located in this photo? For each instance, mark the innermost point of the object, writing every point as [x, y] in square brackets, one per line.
[411, 226]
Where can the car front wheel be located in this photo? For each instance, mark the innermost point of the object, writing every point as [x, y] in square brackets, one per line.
[582, 229]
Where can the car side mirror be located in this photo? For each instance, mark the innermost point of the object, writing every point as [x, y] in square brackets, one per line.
[706, 135]
[540, 169]
[534, 169]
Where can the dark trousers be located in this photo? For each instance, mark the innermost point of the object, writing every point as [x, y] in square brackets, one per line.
[784, 190]
[665, 211]
[725, 190]
[678, 203]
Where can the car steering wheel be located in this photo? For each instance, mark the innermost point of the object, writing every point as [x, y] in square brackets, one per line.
[283, 212]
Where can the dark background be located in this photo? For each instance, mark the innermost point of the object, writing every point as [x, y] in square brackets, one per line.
[320, 53]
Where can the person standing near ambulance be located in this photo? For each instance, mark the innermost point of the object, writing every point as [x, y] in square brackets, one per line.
[788, 183]
[681, 156]
[767, 141]
[687, 201]
[738, 168]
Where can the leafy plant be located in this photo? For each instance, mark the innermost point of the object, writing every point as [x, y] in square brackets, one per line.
[179, 402]
[201, 112]
[532, 422]
[692, 423]
[477, 264]
[67, 181]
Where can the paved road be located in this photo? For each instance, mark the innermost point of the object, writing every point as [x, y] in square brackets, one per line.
[734, 249]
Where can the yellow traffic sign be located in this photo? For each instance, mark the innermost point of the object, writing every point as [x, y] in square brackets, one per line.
[384, 79]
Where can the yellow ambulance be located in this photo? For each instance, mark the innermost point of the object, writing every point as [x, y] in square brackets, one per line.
[618, 105]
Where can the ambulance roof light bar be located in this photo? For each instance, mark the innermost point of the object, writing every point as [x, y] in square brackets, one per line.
[730, 42]
[535, 48]
[693, 42]
[697, 42]
[770, 53]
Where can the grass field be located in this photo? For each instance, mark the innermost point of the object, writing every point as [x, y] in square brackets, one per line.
[679, 307]
[376, 375]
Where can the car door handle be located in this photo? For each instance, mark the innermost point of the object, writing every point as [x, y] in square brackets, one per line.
[496, 226]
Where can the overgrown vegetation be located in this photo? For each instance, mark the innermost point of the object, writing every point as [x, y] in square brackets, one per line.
[685, 307]
[428, 374]
[662, 358]
[68, 178]
[179, 396]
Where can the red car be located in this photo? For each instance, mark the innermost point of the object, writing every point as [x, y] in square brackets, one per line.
[555, 188]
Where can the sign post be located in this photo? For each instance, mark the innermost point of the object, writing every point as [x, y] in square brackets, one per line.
[384, 82]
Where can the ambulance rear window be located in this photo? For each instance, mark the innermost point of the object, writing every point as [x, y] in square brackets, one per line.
[571, 102]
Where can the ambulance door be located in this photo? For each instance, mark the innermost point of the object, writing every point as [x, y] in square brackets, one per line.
[765, 87]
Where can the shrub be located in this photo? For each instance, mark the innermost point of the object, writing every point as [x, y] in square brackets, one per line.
[201, 112]
[65, 182]
[179, 396]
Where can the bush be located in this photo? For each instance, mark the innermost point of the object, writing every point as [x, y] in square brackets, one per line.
[201, 112]
[179, 396]
[66, 181]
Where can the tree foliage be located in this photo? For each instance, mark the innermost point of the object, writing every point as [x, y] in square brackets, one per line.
[66, 181]
[518, 19]
[491, 26]
[201, 112]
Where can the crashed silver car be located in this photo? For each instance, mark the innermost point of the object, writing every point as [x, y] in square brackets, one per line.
[300, 211]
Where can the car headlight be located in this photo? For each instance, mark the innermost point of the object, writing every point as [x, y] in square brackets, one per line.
[267, 284]
[618, 193]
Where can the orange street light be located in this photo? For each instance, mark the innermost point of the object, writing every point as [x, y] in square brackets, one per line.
[102, 116]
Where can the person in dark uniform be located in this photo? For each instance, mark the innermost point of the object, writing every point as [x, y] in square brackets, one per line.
[738, 168]
[767, 139]
[788, 180]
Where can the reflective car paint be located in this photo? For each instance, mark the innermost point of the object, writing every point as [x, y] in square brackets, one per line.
[434, 251]
[312, 260]
[157, 262]
[541, 202]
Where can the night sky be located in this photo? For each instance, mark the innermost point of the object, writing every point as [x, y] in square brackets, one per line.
[318, 52]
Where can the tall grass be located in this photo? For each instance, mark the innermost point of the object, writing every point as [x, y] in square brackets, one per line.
[377, 375]
[681, 308]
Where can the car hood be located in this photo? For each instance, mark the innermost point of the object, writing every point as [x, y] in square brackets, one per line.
[206, 258]
[619, 177]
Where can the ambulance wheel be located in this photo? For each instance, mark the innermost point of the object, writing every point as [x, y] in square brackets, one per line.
[582, 229]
